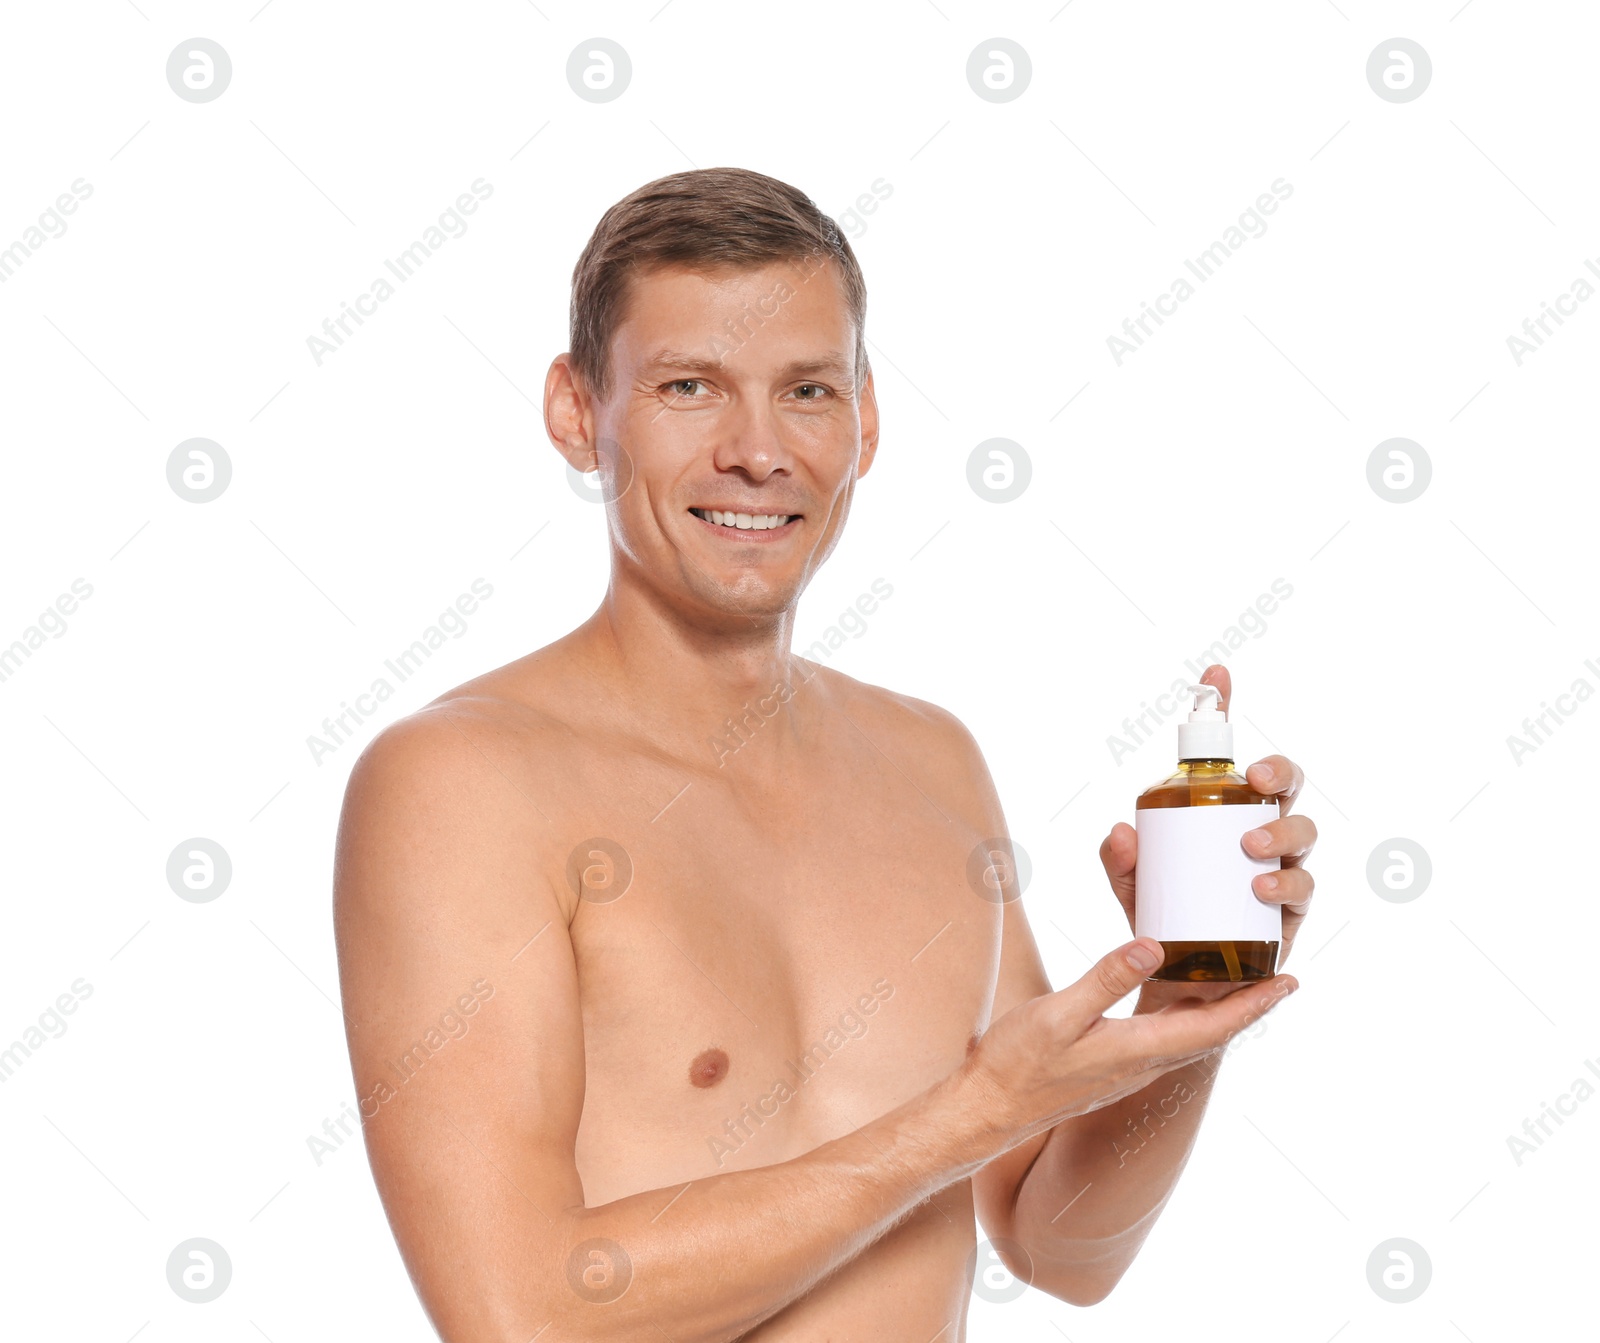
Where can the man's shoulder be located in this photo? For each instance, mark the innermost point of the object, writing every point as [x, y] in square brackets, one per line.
[477, 738]
[436, 764]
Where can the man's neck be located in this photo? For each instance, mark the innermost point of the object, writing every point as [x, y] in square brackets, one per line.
[682, 675]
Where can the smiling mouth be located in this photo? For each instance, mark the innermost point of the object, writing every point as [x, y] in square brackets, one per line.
[745, 522]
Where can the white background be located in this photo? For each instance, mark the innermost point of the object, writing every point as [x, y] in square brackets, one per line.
[1167, 494]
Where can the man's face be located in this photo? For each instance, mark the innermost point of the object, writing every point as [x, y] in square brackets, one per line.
[735, 394]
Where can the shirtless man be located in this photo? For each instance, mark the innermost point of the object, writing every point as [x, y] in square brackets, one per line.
[662, 1039]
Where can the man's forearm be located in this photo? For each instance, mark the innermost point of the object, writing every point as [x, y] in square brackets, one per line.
[733, 1249]
[1101, 1180]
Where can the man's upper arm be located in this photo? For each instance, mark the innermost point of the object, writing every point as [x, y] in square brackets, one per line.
[461, 1005]
[1022, 974]
[1021, 977]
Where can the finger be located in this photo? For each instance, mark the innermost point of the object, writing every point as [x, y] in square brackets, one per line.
[1112, 978]
[1289, 837]
[1291, 887]
[1277, 775]
[1216, 674]
[1182, 1029]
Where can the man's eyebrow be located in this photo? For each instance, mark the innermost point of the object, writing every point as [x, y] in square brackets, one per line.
[673, 360]
[663, 360]
[833, 362]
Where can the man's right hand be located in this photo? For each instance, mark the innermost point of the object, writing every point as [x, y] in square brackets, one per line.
[1058, 1055]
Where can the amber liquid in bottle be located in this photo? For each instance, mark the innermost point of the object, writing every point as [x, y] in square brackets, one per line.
[1210, 783]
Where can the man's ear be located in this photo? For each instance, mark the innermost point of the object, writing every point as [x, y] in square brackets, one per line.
[568, 418]
[869, 426]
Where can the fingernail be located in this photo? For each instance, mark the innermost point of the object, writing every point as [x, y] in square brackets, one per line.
[1143, 957]
[1260, 838]
[1268, 884]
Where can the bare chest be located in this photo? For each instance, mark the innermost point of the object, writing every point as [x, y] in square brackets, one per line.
[763, 972]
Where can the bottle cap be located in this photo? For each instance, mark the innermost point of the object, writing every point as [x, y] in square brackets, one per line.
[1208, 735]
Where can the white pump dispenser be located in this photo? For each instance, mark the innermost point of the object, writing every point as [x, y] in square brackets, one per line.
[1208, 735]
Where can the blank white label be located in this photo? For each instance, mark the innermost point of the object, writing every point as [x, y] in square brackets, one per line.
[1192, 876]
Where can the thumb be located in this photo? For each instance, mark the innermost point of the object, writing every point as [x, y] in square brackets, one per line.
[1114, 976]
[1119, 852]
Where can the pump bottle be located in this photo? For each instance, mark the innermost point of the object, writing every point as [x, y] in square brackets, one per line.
[1192, 876]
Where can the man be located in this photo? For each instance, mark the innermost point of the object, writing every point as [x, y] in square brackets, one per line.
[687, 993]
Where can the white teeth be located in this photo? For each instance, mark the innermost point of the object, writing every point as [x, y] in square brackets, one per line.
[755, 522]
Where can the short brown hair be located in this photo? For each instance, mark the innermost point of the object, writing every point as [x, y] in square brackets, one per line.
[708, 219]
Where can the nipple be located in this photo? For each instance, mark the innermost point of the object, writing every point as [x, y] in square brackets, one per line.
[709, 1067]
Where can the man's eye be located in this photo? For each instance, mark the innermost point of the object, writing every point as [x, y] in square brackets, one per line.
[677, 388]
[814, 387]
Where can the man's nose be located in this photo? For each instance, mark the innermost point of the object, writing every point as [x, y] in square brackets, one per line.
[752, 441]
